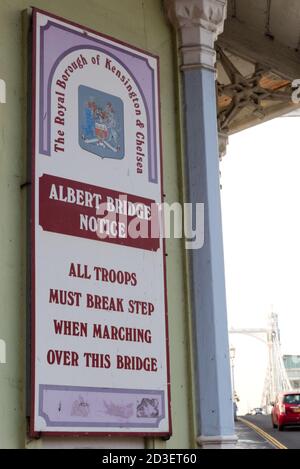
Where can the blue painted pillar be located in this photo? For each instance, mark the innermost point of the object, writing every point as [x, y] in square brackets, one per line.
[198, 23]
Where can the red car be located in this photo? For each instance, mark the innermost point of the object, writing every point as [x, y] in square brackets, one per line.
[286, 410]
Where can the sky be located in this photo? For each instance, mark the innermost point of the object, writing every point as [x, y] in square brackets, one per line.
[260, 177]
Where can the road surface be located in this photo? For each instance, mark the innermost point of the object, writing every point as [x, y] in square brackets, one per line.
[289, 438]
[249, 439]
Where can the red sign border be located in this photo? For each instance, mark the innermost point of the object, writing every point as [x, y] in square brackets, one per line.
[32, 432]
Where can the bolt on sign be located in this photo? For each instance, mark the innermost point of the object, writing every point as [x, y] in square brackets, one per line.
[99, 325]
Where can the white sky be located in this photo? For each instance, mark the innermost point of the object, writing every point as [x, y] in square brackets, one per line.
[261, 228]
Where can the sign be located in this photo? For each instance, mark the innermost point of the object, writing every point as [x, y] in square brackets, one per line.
[99, 325]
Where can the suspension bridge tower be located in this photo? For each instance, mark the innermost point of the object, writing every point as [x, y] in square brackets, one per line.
[276, 379]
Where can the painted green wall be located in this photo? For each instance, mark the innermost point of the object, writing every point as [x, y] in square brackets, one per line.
[140, 23]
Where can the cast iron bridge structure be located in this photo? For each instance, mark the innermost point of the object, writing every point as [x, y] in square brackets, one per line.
[276, 379]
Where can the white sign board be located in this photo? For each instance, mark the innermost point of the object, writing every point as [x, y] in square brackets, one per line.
[99, 325]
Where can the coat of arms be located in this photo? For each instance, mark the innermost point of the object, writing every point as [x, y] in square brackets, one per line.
[101, 123]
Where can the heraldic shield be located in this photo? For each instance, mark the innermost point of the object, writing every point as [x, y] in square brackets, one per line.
[101, 123]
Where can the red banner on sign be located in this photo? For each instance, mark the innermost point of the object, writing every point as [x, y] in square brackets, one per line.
[76, 209]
